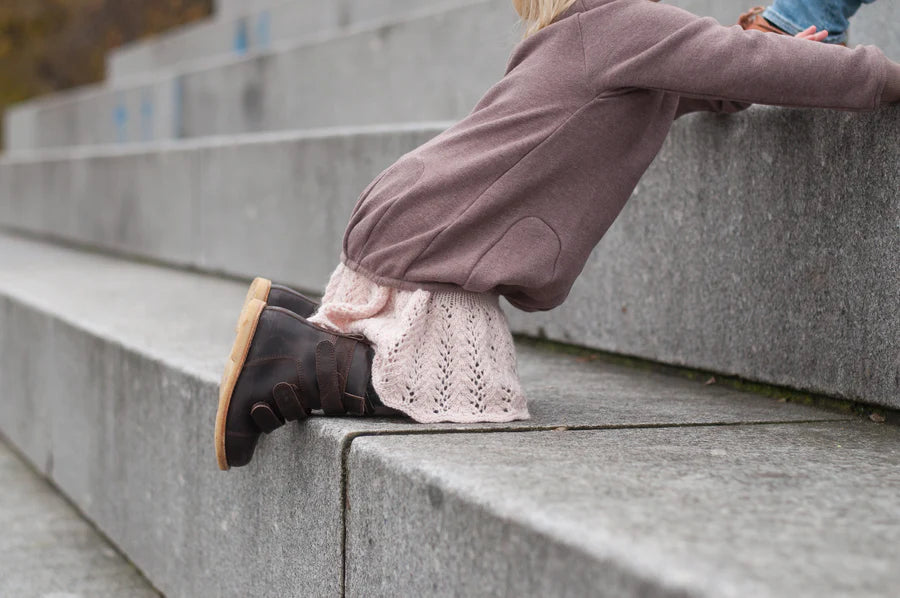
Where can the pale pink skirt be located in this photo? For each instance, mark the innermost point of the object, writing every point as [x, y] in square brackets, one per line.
[440, 356]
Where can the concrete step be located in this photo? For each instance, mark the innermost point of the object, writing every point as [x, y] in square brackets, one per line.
[259, 27]
[47, 549]
[711, 265]
[433, 67]
[145, 200]
[110, 368]
[420, 68]
[230, 8]
[677, 511]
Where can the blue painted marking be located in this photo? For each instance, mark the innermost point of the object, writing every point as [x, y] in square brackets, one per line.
[120, 118]
[263, 30]
[241, 37]
[177, 110]
[146, 116]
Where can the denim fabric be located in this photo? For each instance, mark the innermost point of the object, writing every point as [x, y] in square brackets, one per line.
[793, 16]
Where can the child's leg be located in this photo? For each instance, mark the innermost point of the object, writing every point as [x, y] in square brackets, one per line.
[793, 16]
[444, 356]
[367, 350]
[282, 367]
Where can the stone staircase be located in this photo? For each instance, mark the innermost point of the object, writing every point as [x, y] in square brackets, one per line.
[760, 246]
[49, 550]
[350, 65]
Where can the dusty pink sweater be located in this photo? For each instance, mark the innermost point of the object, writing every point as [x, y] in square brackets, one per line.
[513, 198]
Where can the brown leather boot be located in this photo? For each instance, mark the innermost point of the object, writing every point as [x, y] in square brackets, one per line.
[753, 19]
[282, 368]
[278, 295]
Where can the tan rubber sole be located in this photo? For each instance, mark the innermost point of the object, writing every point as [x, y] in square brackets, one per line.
[246, 328]
[259, 289]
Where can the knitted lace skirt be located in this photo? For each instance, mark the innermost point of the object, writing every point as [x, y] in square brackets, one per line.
[445, 356]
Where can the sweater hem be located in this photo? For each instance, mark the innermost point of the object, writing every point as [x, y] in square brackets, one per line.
[409, 330]
[492, 418]
[397, 283]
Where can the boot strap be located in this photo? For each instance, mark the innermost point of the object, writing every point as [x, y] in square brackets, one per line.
[332, 382]
[288, 400]
[265, 418]
[329, 379]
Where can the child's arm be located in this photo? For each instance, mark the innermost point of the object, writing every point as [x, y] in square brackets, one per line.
[687, 104]
[892, 85]
[635, 43]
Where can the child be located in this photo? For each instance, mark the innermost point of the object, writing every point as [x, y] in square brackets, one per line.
[509, 201]
[832, 17]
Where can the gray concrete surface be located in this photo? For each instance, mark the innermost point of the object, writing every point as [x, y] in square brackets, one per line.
[763, 511]
[230, 8]
[47, 550]
[764, 246]
[180, 204]
[711, 265]
[118, 411]
[110, 370]
[146, 109]
[422, 68]
[259, 28]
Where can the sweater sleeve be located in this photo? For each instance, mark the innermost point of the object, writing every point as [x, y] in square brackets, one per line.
[642, 44]
[892, 85]
[687, 104]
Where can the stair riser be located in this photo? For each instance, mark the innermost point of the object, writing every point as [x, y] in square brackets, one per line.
[763, 245]
[231, 8]
[682, 512]
[366, 78]
[257, 27]
[129, 440]
[217, 207]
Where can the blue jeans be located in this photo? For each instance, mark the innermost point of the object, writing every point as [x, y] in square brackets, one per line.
[793, 16]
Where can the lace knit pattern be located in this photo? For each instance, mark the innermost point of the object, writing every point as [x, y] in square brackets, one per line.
[444, 356]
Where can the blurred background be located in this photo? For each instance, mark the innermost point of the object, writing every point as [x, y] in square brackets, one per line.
[51, 45]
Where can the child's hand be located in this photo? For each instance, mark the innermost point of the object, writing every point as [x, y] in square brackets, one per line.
[812, 35]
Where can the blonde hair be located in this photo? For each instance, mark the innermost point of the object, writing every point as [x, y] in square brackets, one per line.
[537, 14]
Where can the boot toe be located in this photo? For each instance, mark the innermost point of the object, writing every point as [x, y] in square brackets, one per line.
[239, 448]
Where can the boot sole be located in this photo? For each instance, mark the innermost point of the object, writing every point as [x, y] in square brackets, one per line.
[259, 289]
[246, 329]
